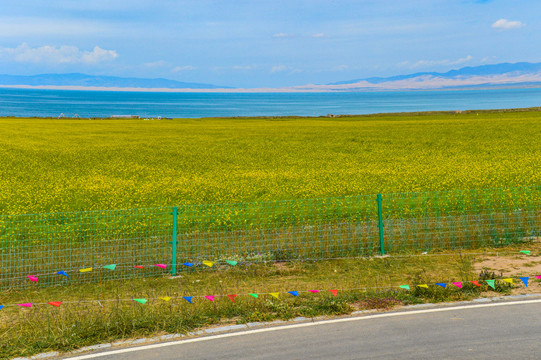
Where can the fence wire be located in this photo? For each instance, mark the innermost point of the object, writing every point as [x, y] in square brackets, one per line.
[44, 244]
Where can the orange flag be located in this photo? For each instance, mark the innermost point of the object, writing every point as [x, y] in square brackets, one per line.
[232, 297]
[55, 303]
[334, 292]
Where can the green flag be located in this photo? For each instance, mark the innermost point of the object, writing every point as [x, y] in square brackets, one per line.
[141, 301]
[527, 252]
[231, 262]
[254, 295]
[407, 287]
[491, 283]
[110, 267]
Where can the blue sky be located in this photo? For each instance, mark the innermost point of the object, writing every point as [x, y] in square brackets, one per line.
[260, 43]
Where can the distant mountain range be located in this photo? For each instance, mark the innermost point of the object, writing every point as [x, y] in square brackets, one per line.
[502, 75]
[77, 79]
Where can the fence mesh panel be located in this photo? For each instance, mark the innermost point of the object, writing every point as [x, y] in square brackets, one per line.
[44, 244]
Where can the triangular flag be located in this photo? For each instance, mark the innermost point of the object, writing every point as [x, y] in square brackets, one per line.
[407, 287]
[62, 273]
[210, 297]
[538, 276]
[232, 297]
[141, 301]
[294, 293]
[423, 286]
[110, 267]
[85, 270]
[525, 280]
[254, 295]
[458, 284]
[1, 307]
[55, 303]
[509, 280]
[139, 266]
[188, 298]
[334, 292]
[443, 285]
[208, 263]
[275, 294]
[165, 298]
[33, 278]
[163, 266]
[25, 305]
[491, 283]
[314, 291]
[527, 252]
[231, 262]
[475, 282]
[187, 264]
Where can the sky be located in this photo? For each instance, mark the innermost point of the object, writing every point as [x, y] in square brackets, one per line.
[264, 43]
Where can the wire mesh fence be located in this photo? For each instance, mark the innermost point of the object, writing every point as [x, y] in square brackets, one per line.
[65, 247]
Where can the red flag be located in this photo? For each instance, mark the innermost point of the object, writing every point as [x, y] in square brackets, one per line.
[232, 297]
[334, 292]
[55, 303]
[139, 267]
[475, 282]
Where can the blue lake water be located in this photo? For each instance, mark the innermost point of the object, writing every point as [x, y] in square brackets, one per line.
[52, 103]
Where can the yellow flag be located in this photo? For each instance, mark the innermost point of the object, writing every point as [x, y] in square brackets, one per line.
[208, 263]
[165, 298]
[276, 295]
[509, 280]
[85, 270]
[423, 286]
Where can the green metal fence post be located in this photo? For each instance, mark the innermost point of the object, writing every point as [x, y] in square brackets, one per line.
[174, 243]
[380, 225]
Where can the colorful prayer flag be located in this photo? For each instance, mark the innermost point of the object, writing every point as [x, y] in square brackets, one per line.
[110, 267]
[208, 263]
[314, 291]
[85, 270]
[458, 284]
[163, 266]
[25, 305]
[407, 287]
[141, 301]
[62, 273]
[139, 266]
[33, 278]
[475, 282]
[443, 285]
[188, 299]
[55, 303]
[525, 280]
[294, 293]
[1, 307]
[232, 297]
[187, 264]
[491, 283]
[275, 294]
[334, 292]
[210, 297]
[538, 276]
[527, 252]
[231, 262]
[509, 280]
[423, 286]
[165, 298]
[254, 295]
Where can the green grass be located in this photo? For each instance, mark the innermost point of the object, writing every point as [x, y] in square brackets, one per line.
[51, 165]
[44, 328]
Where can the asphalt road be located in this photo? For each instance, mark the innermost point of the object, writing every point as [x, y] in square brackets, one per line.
[512, 331]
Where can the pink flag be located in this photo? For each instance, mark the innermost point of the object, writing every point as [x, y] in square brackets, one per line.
[163, 266]
[538, 276]
[314, 291]
[33, 278]
[25, 305]
[458, 284]
[210, 297]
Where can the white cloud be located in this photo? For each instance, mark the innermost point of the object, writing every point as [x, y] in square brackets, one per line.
[183, 68]
[278, 68]
[244, 67]
[445, 62]
[320, 35]
[282, 36]
[504, 24]
[57, 55]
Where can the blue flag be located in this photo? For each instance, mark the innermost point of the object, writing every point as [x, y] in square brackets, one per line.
[441, 284]
[63, 273]
[525, 280]
[187, 264]
[294, 293]
[1, 306]
[188, 299]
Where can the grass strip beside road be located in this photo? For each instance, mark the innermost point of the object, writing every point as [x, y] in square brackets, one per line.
[82, 321]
